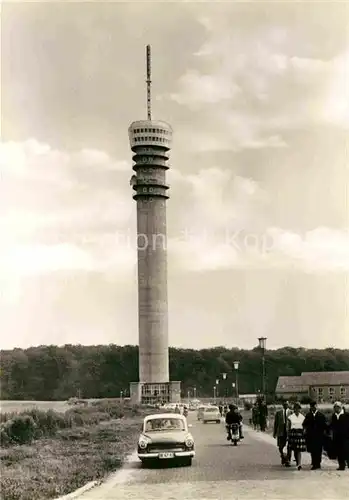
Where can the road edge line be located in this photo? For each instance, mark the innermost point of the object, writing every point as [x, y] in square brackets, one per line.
[79, 491]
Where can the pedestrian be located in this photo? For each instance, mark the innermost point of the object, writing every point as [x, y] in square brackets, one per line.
[177, 409]
[315, 428]
[220, 409]
[295, 434]
[340, 434]
[280, 433]
[263, 416]
[255, 416]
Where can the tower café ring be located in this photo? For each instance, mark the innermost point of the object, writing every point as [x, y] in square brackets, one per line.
[154, 132]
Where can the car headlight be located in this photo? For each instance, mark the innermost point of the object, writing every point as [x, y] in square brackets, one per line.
[143, 442]
[189, 442]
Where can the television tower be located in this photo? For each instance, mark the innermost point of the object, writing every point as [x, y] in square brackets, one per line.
[150, 142]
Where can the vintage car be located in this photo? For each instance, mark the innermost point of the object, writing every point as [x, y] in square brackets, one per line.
[211, 414]
[166, 436]
[200, 412]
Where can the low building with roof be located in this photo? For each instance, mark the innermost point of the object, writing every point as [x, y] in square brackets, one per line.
[320, 386]
[288, 387]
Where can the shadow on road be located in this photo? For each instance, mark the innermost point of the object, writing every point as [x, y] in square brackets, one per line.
[218, 445]
[154, 465]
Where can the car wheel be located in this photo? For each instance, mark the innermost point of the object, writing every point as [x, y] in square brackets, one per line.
[204, 421]
[218, 421]
[187, 461]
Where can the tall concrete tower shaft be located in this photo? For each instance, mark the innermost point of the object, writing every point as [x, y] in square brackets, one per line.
[150, 142]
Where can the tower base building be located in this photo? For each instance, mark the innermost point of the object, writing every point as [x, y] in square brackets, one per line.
[153, 393]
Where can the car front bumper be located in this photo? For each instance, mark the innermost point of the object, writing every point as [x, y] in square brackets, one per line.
[176, 454]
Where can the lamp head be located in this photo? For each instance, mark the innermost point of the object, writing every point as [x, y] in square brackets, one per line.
[262, 342]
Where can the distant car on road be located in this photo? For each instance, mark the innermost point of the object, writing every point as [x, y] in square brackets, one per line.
[211, 414]
[200, 412]
[166, 437]
[77, 402]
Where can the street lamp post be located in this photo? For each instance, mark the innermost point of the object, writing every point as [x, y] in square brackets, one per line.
[188, 396]
[194, 392]
[263, 345]
[214, 393]
[236, 368]
[217, 383]
[224, 376]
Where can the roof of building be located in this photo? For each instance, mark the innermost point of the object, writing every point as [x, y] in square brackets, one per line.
[301, 383]
[291, 384]
[325, 378]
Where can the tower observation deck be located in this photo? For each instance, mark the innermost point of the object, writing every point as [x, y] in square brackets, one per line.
[150, 142]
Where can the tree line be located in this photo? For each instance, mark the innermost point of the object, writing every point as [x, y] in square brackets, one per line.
[50, 373]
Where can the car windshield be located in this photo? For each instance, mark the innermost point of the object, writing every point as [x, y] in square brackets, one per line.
[211, 409]
[164, 424]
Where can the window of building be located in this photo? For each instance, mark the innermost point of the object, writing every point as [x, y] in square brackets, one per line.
[320, 391]
[144, 190]
[151, 190]
[343, 391]
[331, 390]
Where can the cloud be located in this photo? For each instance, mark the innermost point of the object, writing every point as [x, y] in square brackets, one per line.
[336, 104]
[248, 88]
[45, 189]
[36, 259]
[204, 89]
[91, 227]
[318, 251]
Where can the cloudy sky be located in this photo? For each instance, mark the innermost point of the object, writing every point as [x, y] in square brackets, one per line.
[258, 96]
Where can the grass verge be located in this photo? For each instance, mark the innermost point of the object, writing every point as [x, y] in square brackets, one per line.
[49, 467]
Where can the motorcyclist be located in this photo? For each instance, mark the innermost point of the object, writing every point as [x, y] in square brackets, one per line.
[185, 411]
[233, 417]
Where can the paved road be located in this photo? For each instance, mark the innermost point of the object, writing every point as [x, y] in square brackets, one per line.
[220, 471]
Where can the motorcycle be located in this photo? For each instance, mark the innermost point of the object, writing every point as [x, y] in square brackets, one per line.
[233, 434]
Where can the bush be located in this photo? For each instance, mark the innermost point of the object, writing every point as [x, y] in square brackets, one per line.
[35, 424]
[20, 429]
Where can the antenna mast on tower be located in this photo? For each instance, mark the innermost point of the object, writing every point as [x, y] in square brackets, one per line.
[148, 82]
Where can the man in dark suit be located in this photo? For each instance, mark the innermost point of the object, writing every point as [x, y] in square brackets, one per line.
[280, 432]
[315, 428]
[263, 415]
[340, 434]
